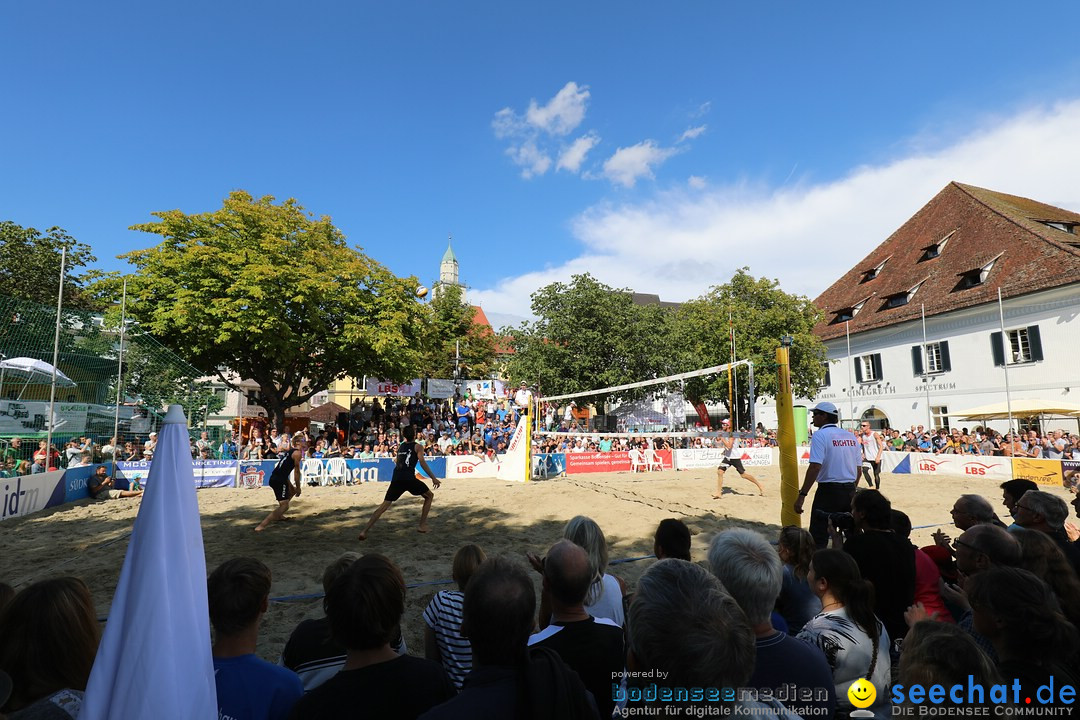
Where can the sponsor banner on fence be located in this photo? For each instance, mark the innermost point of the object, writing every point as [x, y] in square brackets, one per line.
[1070, 471]
[440, 389]
[484, 389]
[988, 466]
[549, 464]
[1044, 472]
[470, 466]
[22, 418]
[803, 453]
[712, 457]
[385, 387]
[208, 473]
[75, 483]
[587, 462]
[30, 493]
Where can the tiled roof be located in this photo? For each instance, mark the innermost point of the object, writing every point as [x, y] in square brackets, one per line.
[503, 345]
[978, 227]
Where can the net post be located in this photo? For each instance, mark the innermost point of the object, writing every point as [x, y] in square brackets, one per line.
[785, 440]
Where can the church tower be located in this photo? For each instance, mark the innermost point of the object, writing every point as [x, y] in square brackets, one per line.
[449, 271]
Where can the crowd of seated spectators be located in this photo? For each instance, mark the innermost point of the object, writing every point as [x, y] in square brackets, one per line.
[1049, 445]
[998, 603]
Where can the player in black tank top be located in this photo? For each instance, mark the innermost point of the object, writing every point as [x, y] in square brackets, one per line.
[405, 481]
[284, 491]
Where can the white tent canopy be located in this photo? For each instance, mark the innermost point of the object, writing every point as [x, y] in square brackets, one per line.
[1021, 408]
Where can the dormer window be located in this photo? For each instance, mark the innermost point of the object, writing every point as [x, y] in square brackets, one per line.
[849, 313]
[1065, 227]
[935, 250]
[874, 272]
[901, 298]
[977, 276]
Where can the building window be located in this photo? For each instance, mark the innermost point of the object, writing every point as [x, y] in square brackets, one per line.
[977, 276]
[849, 313]
[874, 272]
[935, 250]
[868, 368]
[254, 396]
[937, 358]
[939, 416]
[827, 380]
[1067, 227]
[1023, 345]
[902, 298]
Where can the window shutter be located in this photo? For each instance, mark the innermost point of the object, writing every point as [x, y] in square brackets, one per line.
[946, 364]
[997, 346]
[858, 369]
[876, 360]
[1035, 341]
[916, 360]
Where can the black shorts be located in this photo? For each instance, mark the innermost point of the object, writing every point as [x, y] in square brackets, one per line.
[735, 463]
[406, 484]
[280, 486]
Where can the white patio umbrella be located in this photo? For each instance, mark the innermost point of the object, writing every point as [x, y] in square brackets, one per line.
[31, 370]
[1020, 408]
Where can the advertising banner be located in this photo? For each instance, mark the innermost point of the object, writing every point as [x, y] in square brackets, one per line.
[440, 389]
[385, 387]
[988, 466]
[30, 493]
[208, 473]
[1070, 471]
[22, 418]
[514, 464]
[549, 465]
[1044, 472]
[470, 466]
[588, 462]
[803, 453]
[75, 482]
[484, 389]
[712, 457]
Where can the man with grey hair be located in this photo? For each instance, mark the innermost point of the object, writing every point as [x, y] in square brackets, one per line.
[691, 644]
[1046, 513]
[751, 570]
[968, 511]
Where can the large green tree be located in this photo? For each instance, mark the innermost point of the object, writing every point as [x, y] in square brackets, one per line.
[760, 314]
[30, 265]
[275, 295]
[588, 335]
[454, 330]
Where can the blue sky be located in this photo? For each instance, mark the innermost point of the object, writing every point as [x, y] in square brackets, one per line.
[659, 146]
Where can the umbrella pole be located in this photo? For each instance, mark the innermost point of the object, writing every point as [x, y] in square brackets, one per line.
[1005, 357]
[119, 378]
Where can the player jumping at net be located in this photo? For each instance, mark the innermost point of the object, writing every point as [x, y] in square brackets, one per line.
[730, 446]
[405, 480]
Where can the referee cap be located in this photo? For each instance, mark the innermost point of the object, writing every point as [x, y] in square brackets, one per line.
[826, 407]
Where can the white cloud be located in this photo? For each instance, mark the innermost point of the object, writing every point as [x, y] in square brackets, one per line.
[696, 182]
[562, 113]
[530, 135]
[572, 157]
[628, 164]
[681, 241]
[532, 160]
[692, 133]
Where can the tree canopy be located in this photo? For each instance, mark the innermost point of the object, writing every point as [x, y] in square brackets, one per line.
[453, 327]
[588, 335]
[30, 265]
[277, 296]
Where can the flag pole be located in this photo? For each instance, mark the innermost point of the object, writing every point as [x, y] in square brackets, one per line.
[56, 359]
[926, 370]
[851, 388]
[1005, 364]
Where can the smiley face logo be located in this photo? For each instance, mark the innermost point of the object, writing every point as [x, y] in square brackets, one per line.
[862, 693]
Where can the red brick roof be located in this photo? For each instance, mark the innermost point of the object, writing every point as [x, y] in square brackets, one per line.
[503, 345]
[981, 226]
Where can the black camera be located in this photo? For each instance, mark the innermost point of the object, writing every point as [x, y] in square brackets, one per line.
[842, 521]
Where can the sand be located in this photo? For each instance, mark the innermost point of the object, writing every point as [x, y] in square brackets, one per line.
[89, 539]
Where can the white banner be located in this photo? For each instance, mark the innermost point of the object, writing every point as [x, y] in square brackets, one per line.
[987, 466]
[515, 463]
[803, 453]
[484, 389]
[30, 493]
[712, 457]
[18, 417]
[384, 387]
[440, 389]
[470, 466]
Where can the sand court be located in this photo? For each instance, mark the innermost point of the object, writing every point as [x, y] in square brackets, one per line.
[89, 539]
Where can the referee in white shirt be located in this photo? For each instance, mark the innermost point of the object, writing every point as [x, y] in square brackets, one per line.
[835, 461]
